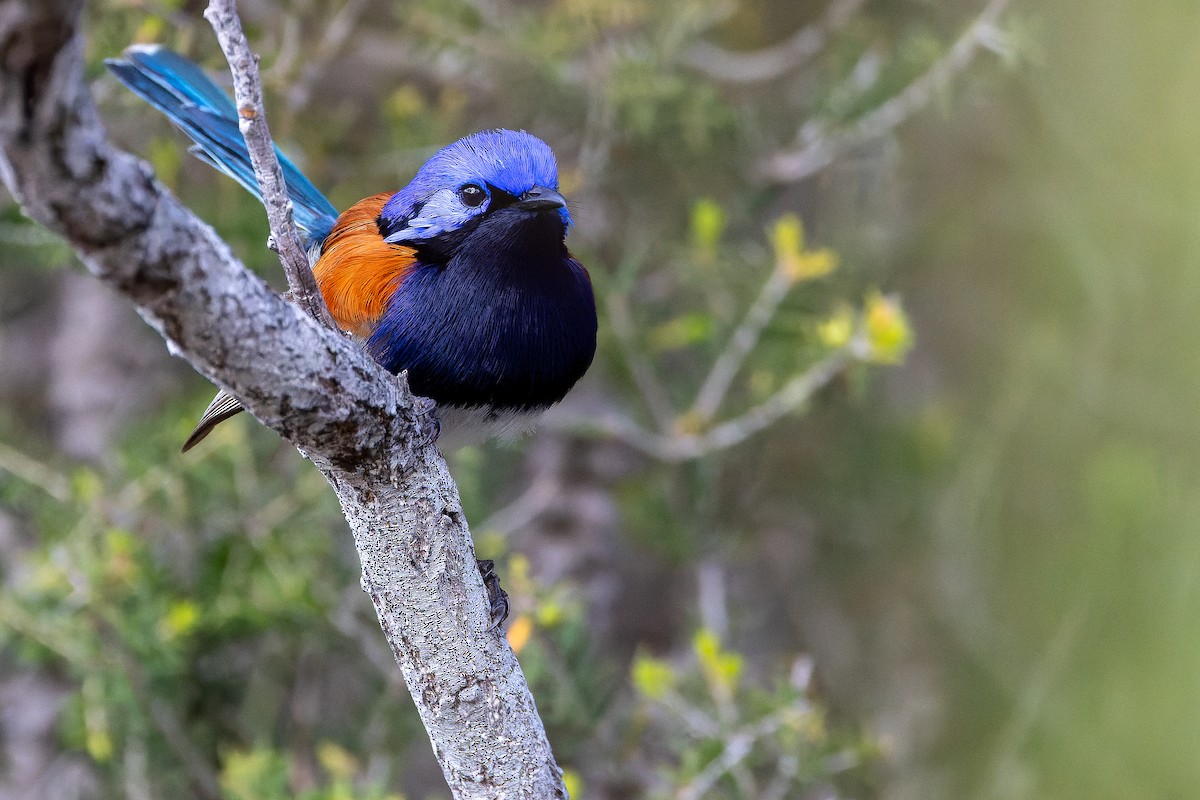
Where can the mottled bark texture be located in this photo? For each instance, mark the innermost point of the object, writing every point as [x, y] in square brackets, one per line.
[360, 426]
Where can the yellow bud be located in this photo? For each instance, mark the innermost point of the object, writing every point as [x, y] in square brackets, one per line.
[680, 332]
[516, 575]
[549, 614]
[336, 760]
[721, 668]
[810, 265]
[87, 486]
[787, 238]
[97, 737]
[99, 745]
[150, 30]
[707, 226]
[835, 332]
[888, 332]
[406, 102]
[181, 617]
[574, 784]
[652, 677]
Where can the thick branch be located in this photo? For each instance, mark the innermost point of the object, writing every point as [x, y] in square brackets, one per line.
[359, 425]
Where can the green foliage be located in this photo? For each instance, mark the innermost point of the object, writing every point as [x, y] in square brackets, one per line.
[266, 774]
[574, 683]
[712, 733]
[162, 590]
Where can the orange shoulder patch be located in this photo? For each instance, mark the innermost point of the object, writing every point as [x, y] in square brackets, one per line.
[358, 271]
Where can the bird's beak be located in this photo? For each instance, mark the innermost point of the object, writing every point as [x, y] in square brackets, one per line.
[541, 198]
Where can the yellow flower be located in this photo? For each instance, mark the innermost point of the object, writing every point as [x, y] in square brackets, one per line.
[550, 613]
[835, 332]
[652, 676]
[574, 784]
[798, 264]
[812, 264]
[707, 226]
[336, 760]
[181, 618]
[721, 668]
[888, 331]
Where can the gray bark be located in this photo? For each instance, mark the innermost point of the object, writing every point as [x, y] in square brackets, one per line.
[358, 424]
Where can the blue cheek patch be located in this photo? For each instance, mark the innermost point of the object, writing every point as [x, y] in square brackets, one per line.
[442, 212]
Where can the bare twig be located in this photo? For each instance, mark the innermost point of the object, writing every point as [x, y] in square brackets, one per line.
[821, 144]
[35, 473]
[252, 120]
[541, 493]
[335, 32]
[678, 446]
[777, 60]
[794, 394]
[649, 387]
[738, 745]
[745, 337]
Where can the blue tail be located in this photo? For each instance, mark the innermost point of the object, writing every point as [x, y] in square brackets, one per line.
[201, 109]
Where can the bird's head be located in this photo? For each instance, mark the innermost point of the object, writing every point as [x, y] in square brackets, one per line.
[474, 179]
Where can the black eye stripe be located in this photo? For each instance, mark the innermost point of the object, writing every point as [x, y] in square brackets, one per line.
[500, 198]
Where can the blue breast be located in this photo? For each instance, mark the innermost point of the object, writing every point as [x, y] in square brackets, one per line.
[508, 323]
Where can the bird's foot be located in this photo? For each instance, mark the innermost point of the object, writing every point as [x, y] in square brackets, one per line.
[430, 425]
[497, 597]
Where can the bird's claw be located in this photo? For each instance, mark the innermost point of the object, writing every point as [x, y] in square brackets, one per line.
[430, 425]
[497, 597]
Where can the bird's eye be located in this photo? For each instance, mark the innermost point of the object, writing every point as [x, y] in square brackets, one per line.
[472, 195]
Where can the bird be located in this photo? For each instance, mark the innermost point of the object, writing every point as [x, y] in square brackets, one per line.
[462, 278]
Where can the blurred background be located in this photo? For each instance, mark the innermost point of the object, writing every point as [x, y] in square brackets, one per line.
[927, 529]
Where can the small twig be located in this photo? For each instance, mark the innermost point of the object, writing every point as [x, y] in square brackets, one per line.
[786, 770]
[543, 491]
[654, 395]
[165, 719]
[822, 144]
[716, 386]
[337, 30]
[678, 447]
[252, 120]
[738, 746]
[35, 473]
[698, 723]
[792, 396]
[777, 60]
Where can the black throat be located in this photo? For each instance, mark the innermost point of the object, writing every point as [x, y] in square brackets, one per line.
[498, 316]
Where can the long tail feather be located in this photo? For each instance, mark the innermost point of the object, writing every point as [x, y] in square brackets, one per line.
[201, 109]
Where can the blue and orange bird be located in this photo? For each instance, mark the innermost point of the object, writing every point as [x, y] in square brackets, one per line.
[462, 278]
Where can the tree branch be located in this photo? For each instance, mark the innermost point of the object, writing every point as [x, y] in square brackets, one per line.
[679, 445]
[821, 144]
[743, 340]
[358, 424]
[777, 60]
